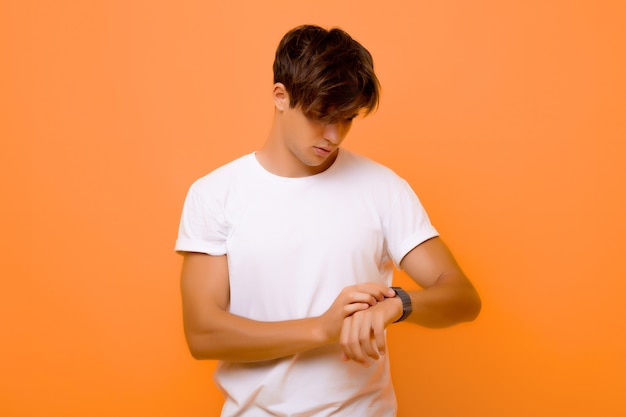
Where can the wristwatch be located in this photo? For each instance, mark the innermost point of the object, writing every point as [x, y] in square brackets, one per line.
[407, 307]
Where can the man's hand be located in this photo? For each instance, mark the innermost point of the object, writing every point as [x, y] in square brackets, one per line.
[363, 333]
[447, 298]
[351, 300]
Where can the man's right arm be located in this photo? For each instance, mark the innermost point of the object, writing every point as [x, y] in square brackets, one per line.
[212, 332]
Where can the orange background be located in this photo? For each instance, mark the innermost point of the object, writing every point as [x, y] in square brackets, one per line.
[507, 117]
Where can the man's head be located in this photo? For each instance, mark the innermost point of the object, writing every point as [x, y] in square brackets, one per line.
[327, 74]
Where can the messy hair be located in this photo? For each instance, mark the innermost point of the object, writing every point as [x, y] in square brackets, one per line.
[326, 73]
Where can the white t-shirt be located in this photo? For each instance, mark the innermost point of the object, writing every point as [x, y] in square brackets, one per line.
[293, 244]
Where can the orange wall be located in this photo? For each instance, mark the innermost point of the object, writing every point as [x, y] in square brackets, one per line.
[508, 117]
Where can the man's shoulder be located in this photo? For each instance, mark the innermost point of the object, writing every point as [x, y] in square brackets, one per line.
[226, 173]
[364, 166]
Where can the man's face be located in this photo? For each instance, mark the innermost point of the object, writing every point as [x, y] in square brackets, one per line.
[312, 144]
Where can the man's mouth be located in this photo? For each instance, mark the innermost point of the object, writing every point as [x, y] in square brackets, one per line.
[322, 151]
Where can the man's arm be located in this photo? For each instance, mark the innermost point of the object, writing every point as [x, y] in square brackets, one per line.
[447, 298]
[214, 333]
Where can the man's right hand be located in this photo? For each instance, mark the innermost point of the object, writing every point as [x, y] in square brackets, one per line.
[350, 300]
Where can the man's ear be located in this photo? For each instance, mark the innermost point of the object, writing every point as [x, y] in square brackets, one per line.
[281, 97]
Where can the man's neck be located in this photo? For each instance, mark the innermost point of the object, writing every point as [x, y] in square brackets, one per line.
[281, 162]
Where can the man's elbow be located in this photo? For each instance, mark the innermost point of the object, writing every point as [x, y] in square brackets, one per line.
[199, 354]
[200, 347]
[470, 307]
[464, 307]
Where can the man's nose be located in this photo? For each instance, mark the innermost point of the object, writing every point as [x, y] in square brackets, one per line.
[331, 133]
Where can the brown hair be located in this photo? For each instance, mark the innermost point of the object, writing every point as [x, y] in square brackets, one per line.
[329, 75]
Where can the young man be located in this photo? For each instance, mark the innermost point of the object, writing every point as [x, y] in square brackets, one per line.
[289, 251]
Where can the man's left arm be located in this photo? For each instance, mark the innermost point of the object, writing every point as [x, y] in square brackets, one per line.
[447, 297]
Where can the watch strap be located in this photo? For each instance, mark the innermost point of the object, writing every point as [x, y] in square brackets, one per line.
[407, 307]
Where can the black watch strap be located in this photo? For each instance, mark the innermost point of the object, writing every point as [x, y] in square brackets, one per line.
[407, 307]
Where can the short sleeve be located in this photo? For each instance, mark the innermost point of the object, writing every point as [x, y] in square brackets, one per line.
[202, 227]
[406, 224]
